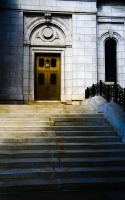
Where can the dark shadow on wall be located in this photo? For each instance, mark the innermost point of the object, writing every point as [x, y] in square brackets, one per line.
[11, 51]
[110, 2]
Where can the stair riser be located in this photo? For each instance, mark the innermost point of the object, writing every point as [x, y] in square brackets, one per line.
[79, 119]
[57, 128]
[81, 123]
[80, 133]
[62, 154]
[44, 115]
[65, 174]
[96, 174]
[25, 119]
[60, 164]
[60, 147]
[29, 134]
[62, 140]
[27, 175]
[82, 128]
[28, 165]
[25, 124]
[92, 164]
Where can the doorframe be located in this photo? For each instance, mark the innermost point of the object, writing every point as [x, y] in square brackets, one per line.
[49, 55]
[33, 52]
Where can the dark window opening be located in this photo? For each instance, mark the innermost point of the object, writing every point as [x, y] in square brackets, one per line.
[53, 62]
[110, 60]
[41, 62]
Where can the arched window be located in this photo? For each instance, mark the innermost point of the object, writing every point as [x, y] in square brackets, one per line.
[110, 60]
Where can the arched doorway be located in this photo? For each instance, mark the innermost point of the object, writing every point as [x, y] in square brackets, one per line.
[110, 60]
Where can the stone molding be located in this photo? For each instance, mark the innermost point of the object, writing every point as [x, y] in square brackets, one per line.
[47, 30]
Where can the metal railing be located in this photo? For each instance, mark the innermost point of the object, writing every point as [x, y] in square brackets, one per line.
[108, 91]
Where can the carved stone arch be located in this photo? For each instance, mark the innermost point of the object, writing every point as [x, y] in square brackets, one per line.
[110, 34]
[56, 23]
[31, 24]
[47, 35]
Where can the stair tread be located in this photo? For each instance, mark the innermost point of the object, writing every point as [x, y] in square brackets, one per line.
[65, 181]
[60, 151]
[16, 171]
[64, 144]
[91, 159]
[96, 168]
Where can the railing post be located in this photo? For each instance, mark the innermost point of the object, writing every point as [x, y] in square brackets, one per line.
[100, 85]
[115, 92]
[124, 99]
[93, 90]
[87, 93]
[108, 95]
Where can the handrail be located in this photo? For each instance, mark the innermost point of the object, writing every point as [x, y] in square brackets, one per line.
[108, 91]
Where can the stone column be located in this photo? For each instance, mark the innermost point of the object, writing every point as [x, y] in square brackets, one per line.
[26, 71]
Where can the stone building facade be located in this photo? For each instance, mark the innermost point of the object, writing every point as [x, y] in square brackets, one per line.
[54, 49]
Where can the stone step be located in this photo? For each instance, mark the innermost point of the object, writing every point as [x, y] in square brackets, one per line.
[81, 128]
[62, 172]
[79, 119]
[28, 163]
[25, 119]
[28, 134]
[75, 184]
[30, 184]
[50, 109]
[93, 183]
[115, 171]
[56, 119]
[48, 115]
[85, 133]
[24, 123]
[16, 173]
[50, 123]
[11, 163]
[92, 161]
[88, 123]
[62, 153]
[55, 128]
[65, 139]
[61, 146]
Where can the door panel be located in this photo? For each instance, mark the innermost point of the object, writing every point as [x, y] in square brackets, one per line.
[47, 77]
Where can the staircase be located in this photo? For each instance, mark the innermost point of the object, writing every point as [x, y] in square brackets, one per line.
[58, 147]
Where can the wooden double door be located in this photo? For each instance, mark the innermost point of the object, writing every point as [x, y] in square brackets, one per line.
[47, 79]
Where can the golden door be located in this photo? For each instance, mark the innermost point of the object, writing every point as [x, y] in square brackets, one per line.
[47, 77]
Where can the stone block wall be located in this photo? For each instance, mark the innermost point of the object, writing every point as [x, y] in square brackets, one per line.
[84, 52]
[78, 59]
[11, 55]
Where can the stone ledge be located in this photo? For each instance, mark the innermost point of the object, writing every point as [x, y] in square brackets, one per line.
[112, 111]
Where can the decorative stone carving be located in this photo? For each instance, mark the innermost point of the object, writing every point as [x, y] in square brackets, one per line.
[111, 32]
[48, 17]
[48, 34]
